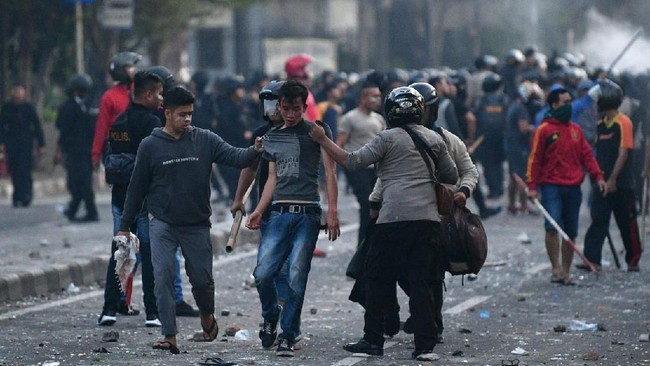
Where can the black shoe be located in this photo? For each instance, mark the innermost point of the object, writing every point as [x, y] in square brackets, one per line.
[408, 326]
[364, 347]
[107, 318]
[269, 332]
[185, 309]
[127, 310]
[424, 355]
[490, 211]
[69, 214]
[391, 324]
[285, 348]
[87, 218]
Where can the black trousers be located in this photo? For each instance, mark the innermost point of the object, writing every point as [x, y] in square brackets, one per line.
[20, 161]
[80, 185]
[362, 183]
[403, 249]
[623, 204]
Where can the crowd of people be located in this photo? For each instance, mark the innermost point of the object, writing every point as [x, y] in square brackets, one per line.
[542, 118]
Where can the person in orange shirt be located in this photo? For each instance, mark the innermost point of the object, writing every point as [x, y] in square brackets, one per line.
[614, 144]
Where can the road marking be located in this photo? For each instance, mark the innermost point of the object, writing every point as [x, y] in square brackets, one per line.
[472, 301]
[358, 357]
[35, 308]
[219, 262]
[538, 268]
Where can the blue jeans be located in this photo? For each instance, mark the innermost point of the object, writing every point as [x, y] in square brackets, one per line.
[563, 204]
[282, 279]
[289, 237]
[112, 294]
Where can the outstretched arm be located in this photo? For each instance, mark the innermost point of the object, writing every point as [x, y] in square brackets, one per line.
[317, 133]
[333, 229]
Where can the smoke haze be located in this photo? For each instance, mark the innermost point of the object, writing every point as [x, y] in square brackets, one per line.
[606, 38]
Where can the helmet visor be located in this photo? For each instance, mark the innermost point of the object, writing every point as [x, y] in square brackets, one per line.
[270, 107]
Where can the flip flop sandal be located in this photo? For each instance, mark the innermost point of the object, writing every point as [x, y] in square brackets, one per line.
[214, 329]
[556, 278]
[568, 282]
[166, 346]
[216, 361]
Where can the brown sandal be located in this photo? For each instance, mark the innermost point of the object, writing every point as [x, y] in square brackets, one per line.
[211, 332]
[166, 346]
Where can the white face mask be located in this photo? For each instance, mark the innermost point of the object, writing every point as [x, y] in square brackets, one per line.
[270, 107]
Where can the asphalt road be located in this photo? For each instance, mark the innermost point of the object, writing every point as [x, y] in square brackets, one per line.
[510, 306]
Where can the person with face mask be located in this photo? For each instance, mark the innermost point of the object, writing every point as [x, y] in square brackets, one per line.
[559, 152]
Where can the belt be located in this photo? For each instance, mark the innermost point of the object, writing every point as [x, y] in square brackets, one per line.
[296, 209]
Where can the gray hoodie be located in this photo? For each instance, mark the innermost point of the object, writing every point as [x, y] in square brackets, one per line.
[174, 176]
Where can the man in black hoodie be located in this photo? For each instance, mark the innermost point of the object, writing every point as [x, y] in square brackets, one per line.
[130, 127]
[172, 171]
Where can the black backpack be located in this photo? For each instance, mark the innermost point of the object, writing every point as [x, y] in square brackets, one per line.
[463, 242]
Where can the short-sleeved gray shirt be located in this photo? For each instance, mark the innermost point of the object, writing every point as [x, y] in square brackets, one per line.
[297, 158]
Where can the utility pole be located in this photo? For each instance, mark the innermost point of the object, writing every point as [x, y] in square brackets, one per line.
[79, 36]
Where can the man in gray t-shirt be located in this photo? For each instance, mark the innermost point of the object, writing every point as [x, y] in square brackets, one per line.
[356, 128]
[292, 230]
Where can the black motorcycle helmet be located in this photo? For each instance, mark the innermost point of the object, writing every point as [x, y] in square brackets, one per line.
[486, 62]
[403, 105]
[514, 57]
[491, 82]
[167, 77]
[81, 82]
[119, 62]
[269, 98]
[431, 98]
[611, 95]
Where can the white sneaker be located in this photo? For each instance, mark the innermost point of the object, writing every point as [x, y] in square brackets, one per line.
[430, 356]
[152, 321]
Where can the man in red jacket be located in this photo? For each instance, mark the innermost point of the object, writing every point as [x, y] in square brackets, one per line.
[115, 100]
[296, 68]
[555, 166]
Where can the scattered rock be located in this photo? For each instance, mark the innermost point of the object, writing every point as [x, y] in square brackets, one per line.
[644, 338]
[458, 353]
[313, 311]
[231, 330]
[559, 328]
[225, 312]
[521, 299]
[101, 350]
[590, 356]
[240, 314]
[35, 254]
[617, 343]
[45, 242]
[465, 331]
[111, 336]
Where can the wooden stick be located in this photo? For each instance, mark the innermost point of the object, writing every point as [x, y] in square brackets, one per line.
[236, 222]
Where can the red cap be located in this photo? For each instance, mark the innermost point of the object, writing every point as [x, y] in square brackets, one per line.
[296, 66]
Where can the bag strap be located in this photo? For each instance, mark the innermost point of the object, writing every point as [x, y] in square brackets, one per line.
[422, 147]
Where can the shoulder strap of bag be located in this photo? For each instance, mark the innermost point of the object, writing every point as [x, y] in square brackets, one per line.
[422, 148]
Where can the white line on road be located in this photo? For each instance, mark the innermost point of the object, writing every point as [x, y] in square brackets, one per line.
[538, 268]
[353, 360]
[222, 261]
[472, 301]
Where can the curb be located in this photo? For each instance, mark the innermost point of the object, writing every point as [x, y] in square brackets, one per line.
[20, 283]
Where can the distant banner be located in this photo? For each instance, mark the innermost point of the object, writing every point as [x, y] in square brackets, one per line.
[116, 14]
[277, 50]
